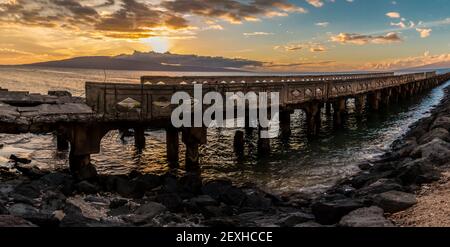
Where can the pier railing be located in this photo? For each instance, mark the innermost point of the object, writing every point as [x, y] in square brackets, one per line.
[152, 99]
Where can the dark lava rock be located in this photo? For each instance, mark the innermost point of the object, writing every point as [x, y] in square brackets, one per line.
[216, 188]
[31, 172]
[146, 182]
[203, 201]
[87, 187]
[216, 211]
[171, 200]
[3, 210]
[310, 224]
[394, 201]
[30, 190]
[294, 219]
[53, 200]
[170, 183]
[221, 222]
[437, 151]
[255, 200]
[21, 160]
[380, 186]
[440, 133]
[117, 203]
[233, 196]
[365, 166]
[146, 213]
[14, 221]
[366, 217]
[367, 177]
[441, 122]
[56, 179]
[417, 172]
[330, 212]
[190, 183]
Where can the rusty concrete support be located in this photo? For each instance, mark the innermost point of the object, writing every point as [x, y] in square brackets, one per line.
[263, 143]
[385, 97]
[172, 147]
[285, 124]
[139, 137]
[374, 100]
[193, 138]
[360, 103]
[62, 144]
[313, 120]
[339, 106]
[239, 143]
[85, 139]
[328, 107]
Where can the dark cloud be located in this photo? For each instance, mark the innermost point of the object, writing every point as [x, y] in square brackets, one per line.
[134, 18]
[233, 11]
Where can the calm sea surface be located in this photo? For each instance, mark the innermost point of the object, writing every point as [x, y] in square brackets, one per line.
[298, 164]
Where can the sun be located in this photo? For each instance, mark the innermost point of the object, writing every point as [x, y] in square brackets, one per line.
[158, 44]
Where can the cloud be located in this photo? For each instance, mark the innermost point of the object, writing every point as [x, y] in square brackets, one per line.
[278, 65]
[322, 24]
[315, 3]
[360, 39]
[233, 11]
[424, 32]
[394, 15]
[257, 34]
[311, 46]
[409, 62]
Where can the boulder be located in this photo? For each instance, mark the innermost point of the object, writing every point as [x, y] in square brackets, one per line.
[203, 201]
[147, 182]
[440, 133]
[14, 221]
[309, 224]
[380, 186]
[368, 177]
[294, 219]
[437, 151]
[366, 217]
[191, 183]
[394, 201]
[216, 188]
[330, 212]
[441, 122]
[87, 187]
[146, 213]
[21, 160]
[171, 200]
[418, 171]
[233, 196]
[3, 210]
[23, 210]
[117, 203]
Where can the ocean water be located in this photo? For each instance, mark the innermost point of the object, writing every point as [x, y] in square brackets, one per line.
[297, 164]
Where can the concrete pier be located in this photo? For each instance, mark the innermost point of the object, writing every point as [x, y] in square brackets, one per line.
[113, 106]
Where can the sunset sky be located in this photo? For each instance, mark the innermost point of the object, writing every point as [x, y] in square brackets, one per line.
[294, 35]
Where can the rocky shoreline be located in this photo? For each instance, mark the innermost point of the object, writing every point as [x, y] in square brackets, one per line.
[30, 197]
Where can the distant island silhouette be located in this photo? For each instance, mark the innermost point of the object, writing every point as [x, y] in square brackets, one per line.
[152, 61]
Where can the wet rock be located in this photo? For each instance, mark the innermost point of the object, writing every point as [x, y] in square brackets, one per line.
[380, 186]
[171, 200]
[147, 182]
[190, 183]
[216, 188]
[117, 203]
[87, 187]
[417, 172]
[294, 219]
[203, 201]
[440, 133]
[73, 217]
[330, 212]
[221, 222]
[53, 201]
[3, 210]
[441, 122]
[150, 209]
[127, 188]
[366, 217]
[20, 160]
[31, 172]
[257, 200]
[309, 224]
[233, 196]
[146, 213]
[14, 221]
[32, 214]
[216, 211]
[437, 151]
[394, 201]
[170, 183]
[365, 166]
[368, 177]
[30, 190]
[56, 179]
[407, 147]
[19, 198]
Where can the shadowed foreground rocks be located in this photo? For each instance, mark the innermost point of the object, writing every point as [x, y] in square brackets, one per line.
[30, 197]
